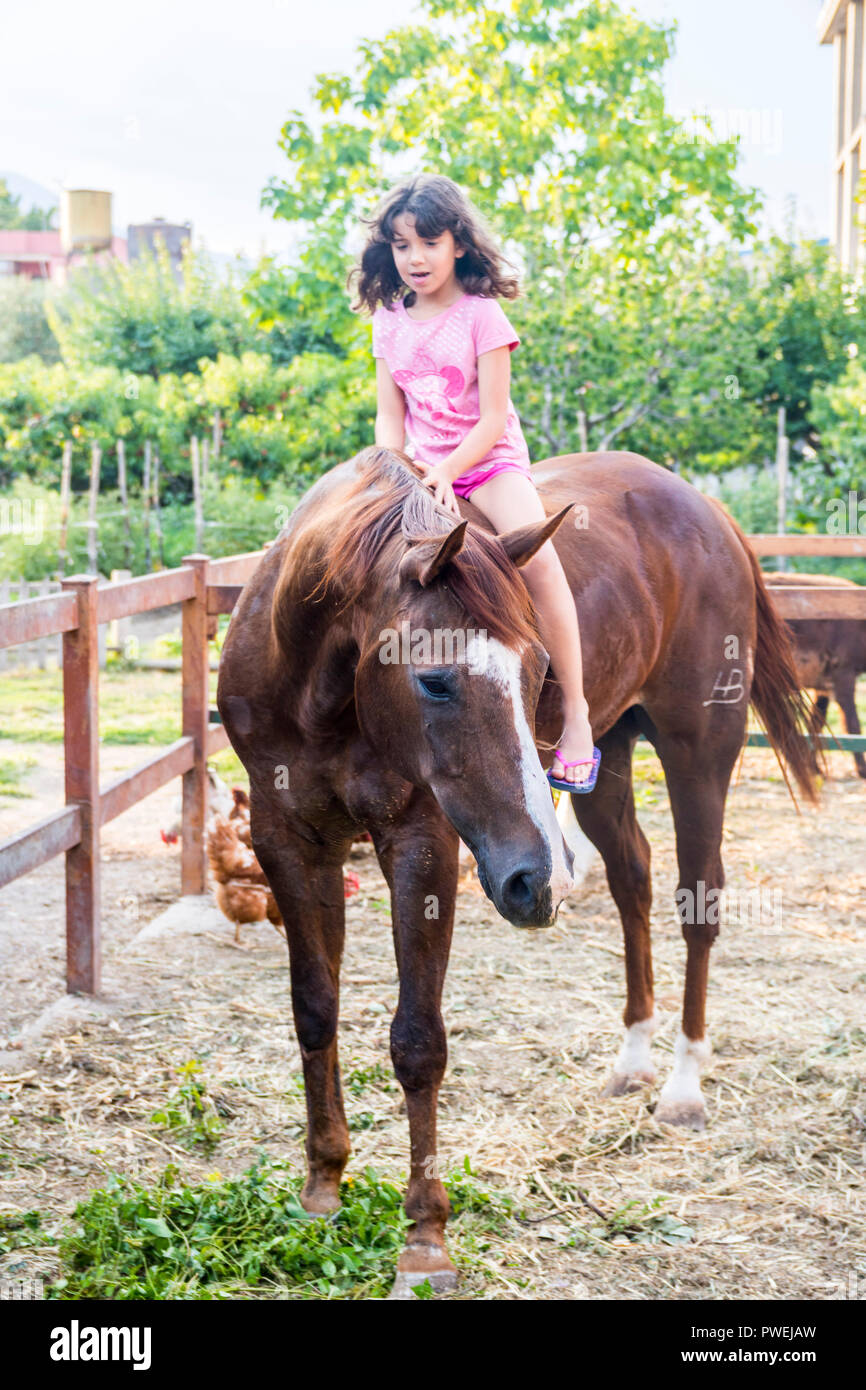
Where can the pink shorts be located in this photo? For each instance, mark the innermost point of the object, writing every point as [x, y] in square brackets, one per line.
[466, 484]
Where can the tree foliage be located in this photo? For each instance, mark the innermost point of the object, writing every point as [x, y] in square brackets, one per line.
[145, 319]
[280, 423]
[839, 413]
[809, 318]
[551, 114]
[24, 327]
[652, 318]
[13, 218]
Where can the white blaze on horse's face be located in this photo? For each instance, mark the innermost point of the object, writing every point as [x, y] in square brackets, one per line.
[502, 666]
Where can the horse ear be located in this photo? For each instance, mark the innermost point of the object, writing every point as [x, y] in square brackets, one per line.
[521, 544]
[425, 558]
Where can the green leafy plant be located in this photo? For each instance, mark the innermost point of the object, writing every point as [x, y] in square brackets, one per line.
[360, 1079]
[468, 1198]
[218, 1238]
[190, 1112]
[250, 1236]
[24, 329]
[365, 1119]
[641, 1223]
[20, 1230]
[146, 318]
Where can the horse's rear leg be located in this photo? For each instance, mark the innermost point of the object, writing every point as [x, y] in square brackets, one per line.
[818, 712]
[698, 772]
[844, 687]
[308, 888]
[607, 817]
[419, 860]
[818, 721]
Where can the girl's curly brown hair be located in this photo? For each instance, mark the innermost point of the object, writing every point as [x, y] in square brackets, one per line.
[437, 205]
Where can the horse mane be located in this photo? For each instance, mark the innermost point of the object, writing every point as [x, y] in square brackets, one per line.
[384, 503]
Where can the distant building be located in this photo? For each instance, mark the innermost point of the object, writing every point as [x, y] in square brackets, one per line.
[40, 255]
[85, 232]
[841, 24]
[143, 238]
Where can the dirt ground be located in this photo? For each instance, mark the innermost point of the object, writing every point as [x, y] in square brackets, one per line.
[770, 1199]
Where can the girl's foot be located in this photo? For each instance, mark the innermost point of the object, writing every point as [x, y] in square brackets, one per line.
[576, 742]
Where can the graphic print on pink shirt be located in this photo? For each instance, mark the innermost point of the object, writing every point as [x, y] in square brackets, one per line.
[433, 388]
[434, 362]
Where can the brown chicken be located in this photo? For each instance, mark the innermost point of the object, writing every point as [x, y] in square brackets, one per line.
[238, 876]
[239, 815]
[219, 803]
[240, 886]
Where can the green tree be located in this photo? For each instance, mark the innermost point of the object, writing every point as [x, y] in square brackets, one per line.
[24, 328]
[42, 407]
[809, 318]
[290, 422]
[281, 424]
[662, 363]
[839, 416]
[551, 114]
[832, 483]
[11, 216]
[145, 319]
[740, 337]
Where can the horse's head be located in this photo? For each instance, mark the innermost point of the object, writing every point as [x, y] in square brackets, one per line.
[448, 701]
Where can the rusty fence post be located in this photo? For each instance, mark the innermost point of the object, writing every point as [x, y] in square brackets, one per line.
[196, 661]
[81, 752]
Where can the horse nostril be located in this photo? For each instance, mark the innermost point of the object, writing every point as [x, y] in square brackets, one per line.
[519, 890]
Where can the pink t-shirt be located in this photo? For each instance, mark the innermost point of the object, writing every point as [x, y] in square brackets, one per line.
[435, 364]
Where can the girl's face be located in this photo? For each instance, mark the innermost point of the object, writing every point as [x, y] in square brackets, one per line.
[425, 264]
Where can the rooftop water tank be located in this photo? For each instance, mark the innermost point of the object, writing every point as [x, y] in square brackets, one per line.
[145, 236]
[85, 220]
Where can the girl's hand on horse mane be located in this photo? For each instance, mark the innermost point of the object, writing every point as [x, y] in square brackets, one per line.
[438, 479]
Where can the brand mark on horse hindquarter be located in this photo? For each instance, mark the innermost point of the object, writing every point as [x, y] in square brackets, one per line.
[728, 692]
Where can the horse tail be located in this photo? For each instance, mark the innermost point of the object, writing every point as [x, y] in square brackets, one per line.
[776, 696]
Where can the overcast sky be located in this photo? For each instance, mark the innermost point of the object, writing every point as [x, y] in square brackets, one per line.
[176, 105]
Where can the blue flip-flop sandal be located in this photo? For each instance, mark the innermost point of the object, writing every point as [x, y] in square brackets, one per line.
[578, 788]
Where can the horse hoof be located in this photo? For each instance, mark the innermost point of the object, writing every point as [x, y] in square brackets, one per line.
[440, 1280]
[321, 1201]
[423, 1261]
[623, 1083]
[686, 1114]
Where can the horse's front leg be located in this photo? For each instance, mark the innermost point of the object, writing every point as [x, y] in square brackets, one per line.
[419, 860]
[307, 883]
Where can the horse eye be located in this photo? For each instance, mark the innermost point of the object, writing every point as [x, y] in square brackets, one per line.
[434, 687]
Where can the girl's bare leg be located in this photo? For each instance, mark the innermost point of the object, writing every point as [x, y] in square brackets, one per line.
[508, 501]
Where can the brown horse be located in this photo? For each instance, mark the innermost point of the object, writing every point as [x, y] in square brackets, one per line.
[829, 654]
[348, 715]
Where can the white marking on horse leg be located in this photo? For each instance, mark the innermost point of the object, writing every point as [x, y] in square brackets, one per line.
[503, 666]
[405, 1282]
[634, 1067]
[583, 849]
[681, 1102]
